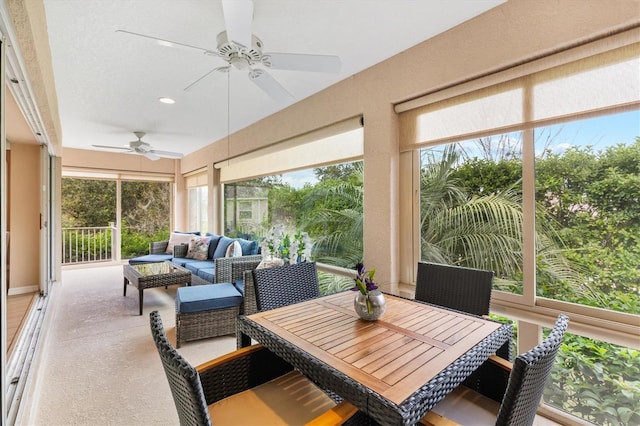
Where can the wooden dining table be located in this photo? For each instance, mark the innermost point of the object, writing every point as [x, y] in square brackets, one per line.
[394, 369]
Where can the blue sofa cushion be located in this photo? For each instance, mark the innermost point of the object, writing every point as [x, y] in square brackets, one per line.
[213, 244]
[239, 285]
[149, 258]
[248, 247]
[183, 261]
[200, 264]
[221, 250]
[207, 297]
[207, 274]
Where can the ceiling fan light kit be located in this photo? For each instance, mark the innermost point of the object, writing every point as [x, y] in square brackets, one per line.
[141, 147]
[242, 50]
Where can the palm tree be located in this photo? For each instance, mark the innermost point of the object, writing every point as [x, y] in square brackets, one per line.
[485, 231]
[342, 245]
[482, 232]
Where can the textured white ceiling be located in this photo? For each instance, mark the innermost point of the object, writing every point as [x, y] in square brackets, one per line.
[108, 82]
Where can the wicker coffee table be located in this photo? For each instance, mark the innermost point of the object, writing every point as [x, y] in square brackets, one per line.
[151, 275]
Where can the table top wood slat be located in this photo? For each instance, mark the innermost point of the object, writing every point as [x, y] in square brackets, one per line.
[393, 356]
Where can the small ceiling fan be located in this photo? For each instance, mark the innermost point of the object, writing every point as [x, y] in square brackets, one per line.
[243, 51]
[142, 148]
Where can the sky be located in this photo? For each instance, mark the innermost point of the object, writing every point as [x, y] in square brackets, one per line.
[599, 132]
[299, 178]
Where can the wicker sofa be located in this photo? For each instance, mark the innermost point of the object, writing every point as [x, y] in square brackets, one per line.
[215, 269]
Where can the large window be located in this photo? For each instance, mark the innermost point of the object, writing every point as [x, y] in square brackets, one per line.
[90, 215]
[596, 381]
[588, 182]
[471, 206]
[324, 202]
[309, 186]
[307, 189]
[198, 207]
[198, 202]
[146, 215]
[535, 173]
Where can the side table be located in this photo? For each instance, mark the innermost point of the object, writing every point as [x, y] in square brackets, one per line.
[151, 275]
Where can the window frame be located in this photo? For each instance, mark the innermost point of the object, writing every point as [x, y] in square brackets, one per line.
[598, 323]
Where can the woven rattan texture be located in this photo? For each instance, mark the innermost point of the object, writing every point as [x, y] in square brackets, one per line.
[184, 380]
[464, 289]
[205, 324]
[192, 390]
[530, 373]
[250, 305]
[285, 285]
[179, 276]
[140, 282]
[158, 247]
[224, 272]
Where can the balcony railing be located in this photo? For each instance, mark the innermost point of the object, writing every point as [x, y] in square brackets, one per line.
[88, 244]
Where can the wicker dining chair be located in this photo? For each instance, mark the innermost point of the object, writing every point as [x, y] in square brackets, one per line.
[459, 288]
[523, 383]
[285, 285]
[455, 287]
[249, 386]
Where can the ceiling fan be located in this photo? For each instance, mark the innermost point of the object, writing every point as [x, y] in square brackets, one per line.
[243, 51]
[142, 148]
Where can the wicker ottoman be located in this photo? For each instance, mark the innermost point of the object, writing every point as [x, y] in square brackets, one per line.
[205, 311]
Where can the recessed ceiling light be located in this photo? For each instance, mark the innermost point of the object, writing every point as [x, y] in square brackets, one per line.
[165, 43]
[167, 100]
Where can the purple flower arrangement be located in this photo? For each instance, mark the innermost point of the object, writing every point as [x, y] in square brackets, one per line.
[364, 280]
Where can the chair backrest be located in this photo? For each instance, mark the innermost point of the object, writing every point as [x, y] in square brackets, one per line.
[184, 380]
[528, 377]
[455, 287]
[285, 285]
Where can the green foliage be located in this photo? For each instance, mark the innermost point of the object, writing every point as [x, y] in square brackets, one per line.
[145, 210]
[336, 219]
[482, 230]
[595, 198]
[146, 207]
[338, 172]
[588, 252]
[330, 211]
[80, 194]
[330, 283]
[597, 381]
[136, 244]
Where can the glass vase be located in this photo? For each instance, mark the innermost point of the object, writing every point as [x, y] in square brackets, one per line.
[374, 309]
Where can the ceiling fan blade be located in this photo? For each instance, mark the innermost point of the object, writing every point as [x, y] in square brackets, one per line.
[112, 147]
[151, 156]
[238, 19]
[302, 62]
[220, 70]
[169, 43]
[269, 85]
[166, 154]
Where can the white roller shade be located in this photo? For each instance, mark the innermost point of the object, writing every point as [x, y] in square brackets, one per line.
[71, 172]
[340, 143]
[195, 180]
[583, 81]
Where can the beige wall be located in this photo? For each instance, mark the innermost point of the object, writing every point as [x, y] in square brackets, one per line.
[108, 161]
[24, 218]
[516, 31]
